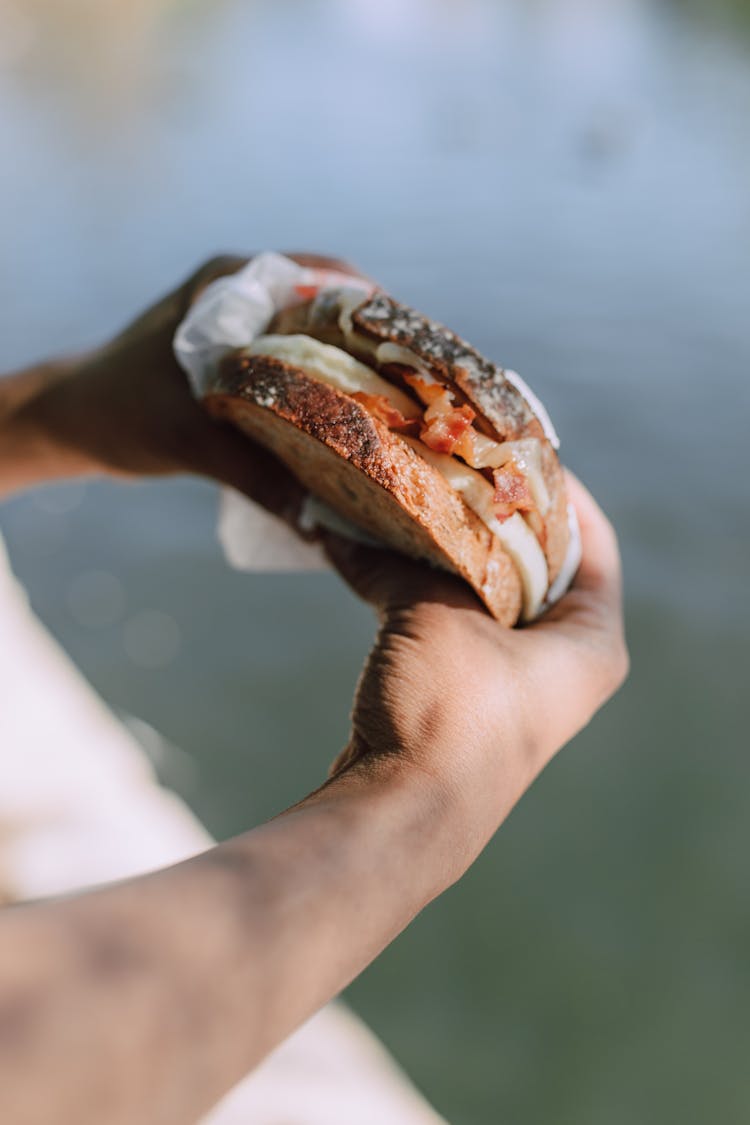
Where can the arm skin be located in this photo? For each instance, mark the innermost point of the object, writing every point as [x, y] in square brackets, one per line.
[146, 1000]
[125, 410]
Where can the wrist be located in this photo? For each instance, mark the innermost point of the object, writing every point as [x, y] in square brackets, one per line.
[410, 806]
[466, 781]
[30, 450]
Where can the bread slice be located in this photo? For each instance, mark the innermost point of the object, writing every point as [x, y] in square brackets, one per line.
[356, 464]
[360, 325]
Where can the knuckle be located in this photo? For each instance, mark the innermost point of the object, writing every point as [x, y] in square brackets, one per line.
[210, 270]
[618, 665]
[605, 666]
[341, 265]
[220, 264]
[623, 668]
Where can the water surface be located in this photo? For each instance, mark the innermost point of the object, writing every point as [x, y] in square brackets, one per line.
[566, 184]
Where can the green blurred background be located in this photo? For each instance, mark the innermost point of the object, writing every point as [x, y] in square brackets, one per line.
[564, 182]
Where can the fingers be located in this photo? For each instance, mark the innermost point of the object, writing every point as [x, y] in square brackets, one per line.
[591, 611]
[579, 648]
[600, 572]
[388, 580]
[228, 456]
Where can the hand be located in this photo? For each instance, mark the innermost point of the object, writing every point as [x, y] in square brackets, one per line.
[477, 708]
[126, 409]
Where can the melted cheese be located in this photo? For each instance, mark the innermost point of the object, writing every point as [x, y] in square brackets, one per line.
[388, 352]
[527, 456]
[349, 300]
[332, 366]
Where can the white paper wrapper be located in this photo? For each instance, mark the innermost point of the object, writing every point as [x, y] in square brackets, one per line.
[253, 539]
[229, 314]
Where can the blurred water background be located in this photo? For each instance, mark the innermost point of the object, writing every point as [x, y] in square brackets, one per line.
[564, 182]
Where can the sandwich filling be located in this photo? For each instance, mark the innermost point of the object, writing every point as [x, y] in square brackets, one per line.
[502, 482]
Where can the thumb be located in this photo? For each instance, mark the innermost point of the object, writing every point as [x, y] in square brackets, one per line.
[388, 580]
[230, 457]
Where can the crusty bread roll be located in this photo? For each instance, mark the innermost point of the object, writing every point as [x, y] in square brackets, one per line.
[353, 462]
[303, 392]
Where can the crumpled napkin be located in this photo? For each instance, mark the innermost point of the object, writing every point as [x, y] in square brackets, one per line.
[229, 314]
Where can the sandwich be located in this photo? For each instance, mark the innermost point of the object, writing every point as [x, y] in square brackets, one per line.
[410, 434]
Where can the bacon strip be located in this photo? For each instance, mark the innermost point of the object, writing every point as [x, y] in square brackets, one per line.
[385, 411]
[512, 492]
[449, 429]
[428, 392]
[446, 427]
[444, 433]
[306, 292]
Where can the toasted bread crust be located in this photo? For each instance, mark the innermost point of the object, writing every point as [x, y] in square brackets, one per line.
[354, 462]
[478, 381]
[450, 357]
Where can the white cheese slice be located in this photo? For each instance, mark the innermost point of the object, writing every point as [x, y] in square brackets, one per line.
[333, 366]
[514, 533]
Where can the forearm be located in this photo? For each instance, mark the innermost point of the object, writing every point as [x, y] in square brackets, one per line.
[29, 453]
[148, 1000]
